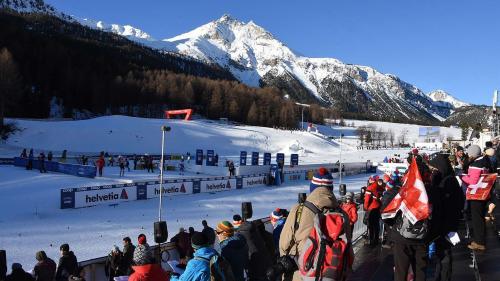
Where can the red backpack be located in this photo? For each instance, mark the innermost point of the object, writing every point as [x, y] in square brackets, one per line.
[325, 255]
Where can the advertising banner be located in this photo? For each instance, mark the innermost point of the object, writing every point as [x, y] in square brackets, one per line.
[254, 181]
[6, 161]
[223, 184]
[199, 157]
[70, 169]
[170, 189]
[108, 194]
[210, 158]
[255, 158]
[67, 198]
[243, 158]
[267, 158]
[294, 159]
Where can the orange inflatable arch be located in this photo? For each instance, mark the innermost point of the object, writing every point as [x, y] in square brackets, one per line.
[188, 112]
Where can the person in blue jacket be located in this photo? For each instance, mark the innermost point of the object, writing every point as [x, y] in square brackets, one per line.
[278, 219]
[198, 268]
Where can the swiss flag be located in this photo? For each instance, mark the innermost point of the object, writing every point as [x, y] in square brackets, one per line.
[412, 199]
[481, 190]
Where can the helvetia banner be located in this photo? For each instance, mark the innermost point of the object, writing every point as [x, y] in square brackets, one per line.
[218, 185]
[108, 194]
[170, 189]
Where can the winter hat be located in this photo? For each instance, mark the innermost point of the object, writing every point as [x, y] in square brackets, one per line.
[64, 248]
[276, 215]
[321, 179]
[414, 151]
[225, 228]
[115, 249]
[389, 185]
[141, 239]
[490, 151]
[198, 240]
[236, 221]
[373, 178]
[474, 151]
[143, 255]
[459, 148]
[349, 195]
[40, 256]
[16, 266]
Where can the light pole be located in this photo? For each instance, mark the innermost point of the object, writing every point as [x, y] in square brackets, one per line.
[302, 105]
[340, 160]
[163, 130]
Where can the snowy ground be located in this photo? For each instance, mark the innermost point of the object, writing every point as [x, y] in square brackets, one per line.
[30, 218]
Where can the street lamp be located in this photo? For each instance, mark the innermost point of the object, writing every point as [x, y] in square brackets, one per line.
[302, 105]
[340, 159]
[160, 227]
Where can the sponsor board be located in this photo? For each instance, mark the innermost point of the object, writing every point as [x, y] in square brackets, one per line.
[218, 185]
[295, 176]
[254, 181]
[170, 189]
[105, 196]
[6, 161]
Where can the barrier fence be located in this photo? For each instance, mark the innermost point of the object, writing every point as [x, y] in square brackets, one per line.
[70, 169]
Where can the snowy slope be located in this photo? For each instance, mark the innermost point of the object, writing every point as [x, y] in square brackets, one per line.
[91, 232]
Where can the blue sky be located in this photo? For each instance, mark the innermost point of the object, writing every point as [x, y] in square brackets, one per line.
[452, 45]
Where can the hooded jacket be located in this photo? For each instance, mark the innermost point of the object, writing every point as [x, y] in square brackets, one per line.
[259, 259]
[322, 198]
[351, 210]
[235, 250]
[196, 269]
[68, 266]
[149, 272]
[373, 195]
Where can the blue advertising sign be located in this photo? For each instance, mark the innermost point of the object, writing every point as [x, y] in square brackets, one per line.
[267, 158]
[199, 157]
[6, 161]
[67, 198]
[294, 160]
[239, 183]
[196, 186]
[142, 190]
[280, 158]
[70, 169]
[255, 159]
[210, 158]
[243, 158]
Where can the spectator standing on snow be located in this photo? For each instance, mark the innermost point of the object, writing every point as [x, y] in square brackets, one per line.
[63, 156]
[30, 160]
[45, 269]
[231, 169]
[128, 255]
[100, 164]
[181, 167]
[24, 154]
[41, 162]
[114, 264]
[233, 248]
[18, 274]
[111, 160]
[127, 163]
[68, 265]
[371, 205]
[480, 165]
[136, 159]
[49, 156]
[350, 209]
[121, 163]
[208, 232]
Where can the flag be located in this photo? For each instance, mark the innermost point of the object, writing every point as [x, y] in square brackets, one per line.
[481, 190]
[412, 199]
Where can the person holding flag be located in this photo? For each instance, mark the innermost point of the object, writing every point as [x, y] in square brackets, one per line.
[409, 213]
[479, 184]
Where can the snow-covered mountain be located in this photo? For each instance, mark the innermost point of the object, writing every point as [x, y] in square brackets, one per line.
[27, 6]
[255, 57]
[446, 99]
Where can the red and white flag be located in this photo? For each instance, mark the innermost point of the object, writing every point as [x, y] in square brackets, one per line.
[481, 190]
[412, 199]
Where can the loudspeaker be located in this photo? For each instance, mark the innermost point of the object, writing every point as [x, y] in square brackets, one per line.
[161, 232]
[246, 210]
[342, 189]
[302, 198]
[3, 264]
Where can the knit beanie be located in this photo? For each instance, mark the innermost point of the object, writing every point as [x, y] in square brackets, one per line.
[276, 215]
[474, 151]
[349, 195]
[64, 248]
[40, 256]
[237, 221]
[225, 228]
[321, 179]
[16, 266]
[143, 255]
[199, 240]
[387, 178]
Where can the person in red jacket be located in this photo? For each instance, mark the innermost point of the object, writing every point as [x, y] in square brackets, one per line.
[145, 268]
[350, 208]
[372, 207]
[100, 164]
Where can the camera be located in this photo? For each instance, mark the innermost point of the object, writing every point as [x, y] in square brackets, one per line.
[284, 265]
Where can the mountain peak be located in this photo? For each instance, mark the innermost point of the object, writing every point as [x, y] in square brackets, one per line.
[226, 18]
[444, 97]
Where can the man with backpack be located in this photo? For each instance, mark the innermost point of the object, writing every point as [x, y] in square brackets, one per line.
[206, 265]
[301, 220]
